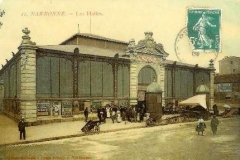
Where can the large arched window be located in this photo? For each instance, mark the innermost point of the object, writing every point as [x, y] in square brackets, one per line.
[146, 75]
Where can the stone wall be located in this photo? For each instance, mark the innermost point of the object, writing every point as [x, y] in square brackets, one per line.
[28, 86]
[1, 95]
[135, 68]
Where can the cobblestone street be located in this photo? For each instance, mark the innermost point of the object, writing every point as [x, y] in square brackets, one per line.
[174, 141]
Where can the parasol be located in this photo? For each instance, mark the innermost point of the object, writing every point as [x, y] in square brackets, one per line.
[226, 106]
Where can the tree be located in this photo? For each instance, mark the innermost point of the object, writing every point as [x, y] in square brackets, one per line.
[1, 14]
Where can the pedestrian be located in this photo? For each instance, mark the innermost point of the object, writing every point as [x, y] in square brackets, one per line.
[123, 116]
[86, 114]
[200, 126]
[21, 128]
[102, 116]
[114, 116]
[214, 124]
[163, 110]
[108, 111]
[141, 115]
[133, 115]
[111, 111]
[104, 111]
[99, 114]
[119, 117]
[215, 109]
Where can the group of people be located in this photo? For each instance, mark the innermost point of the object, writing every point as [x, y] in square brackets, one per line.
[118, 114]
[201, 125]
[131, 114]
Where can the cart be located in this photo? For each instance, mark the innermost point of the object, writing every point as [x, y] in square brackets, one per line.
[153, 121]
[91, 125]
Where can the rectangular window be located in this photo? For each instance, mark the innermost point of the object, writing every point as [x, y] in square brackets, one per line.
[66, 78]
[84, 78]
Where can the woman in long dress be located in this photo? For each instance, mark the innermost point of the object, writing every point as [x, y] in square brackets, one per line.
[108, 111]
[200, 126]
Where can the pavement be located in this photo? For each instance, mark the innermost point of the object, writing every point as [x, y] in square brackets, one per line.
[53, 131]
[9, 134]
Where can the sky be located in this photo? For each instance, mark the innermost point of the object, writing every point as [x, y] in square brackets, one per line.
[117, 19]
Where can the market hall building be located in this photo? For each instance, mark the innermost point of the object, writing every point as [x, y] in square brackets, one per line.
[87, 70]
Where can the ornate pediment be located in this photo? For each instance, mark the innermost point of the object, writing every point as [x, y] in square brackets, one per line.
[147, 46]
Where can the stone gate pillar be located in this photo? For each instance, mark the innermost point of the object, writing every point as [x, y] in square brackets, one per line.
[212, 75]
[161, 76]
[133, 83]
[1, 95]
[27, 50]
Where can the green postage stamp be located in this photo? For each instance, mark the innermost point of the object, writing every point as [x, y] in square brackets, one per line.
[203, 26]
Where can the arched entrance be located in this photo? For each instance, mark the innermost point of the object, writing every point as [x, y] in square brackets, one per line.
[145, 76]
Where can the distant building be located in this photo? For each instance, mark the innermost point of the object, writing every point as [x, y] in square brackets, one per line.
[227, 82]
[229, 65]
[87, 70]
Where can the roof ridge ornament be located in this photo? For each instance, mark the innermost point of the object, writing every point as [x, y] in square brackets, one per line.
[211, 64]
[26, 31]
[26, 38]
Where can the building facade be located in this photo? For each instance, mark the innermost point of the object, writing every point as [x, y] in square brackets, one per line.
[91, 71]
[227, 82]
[229, 65]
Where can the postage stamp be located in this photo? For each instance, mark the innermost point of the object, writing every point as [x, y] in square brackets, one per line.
[203, 27]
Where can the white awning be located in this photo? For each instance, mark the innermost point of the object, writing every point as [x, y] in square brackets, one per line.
[195, 100]
[226, 106]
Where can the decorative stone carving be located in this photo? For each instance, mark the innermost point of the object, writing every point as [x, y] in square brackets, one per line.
[76, 51]
[146, 46]
[24, 60]
[131, 48]
[147, 59]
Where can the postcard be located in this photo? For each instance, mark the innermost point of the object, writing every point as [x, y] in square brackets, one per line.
[115, 68]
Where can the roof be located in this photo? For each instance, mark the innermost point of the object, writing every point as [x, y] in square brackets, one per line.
[154, 87]
[93, 36]
[195, 100]
[170, 62]
[227, 78]
[83, 49]
[202, 89]
[229, 57]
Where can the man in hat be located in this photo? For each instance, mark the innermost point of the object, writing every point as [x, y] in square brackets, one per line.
[214, 124]
[86, 114]
[21, 128]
